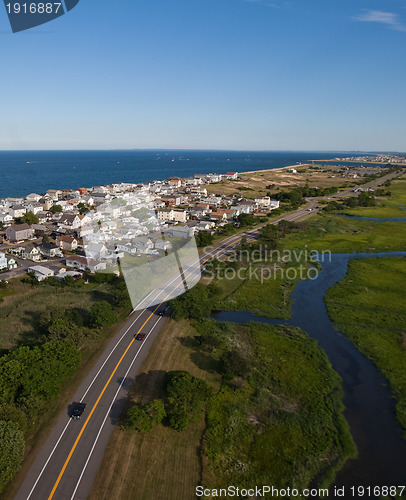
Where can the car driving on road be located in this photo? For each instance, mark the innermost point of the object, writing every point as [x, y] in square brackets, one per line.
[140, 336]
[77, 410]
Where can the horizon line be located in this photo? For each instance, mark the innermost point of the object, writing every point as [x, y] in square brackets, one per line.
[214, 149]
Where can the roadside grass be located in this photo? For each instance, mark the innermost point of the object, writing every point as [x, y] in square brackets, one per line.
[369, 306]
[21, 309]
[283, 420]
[164, 463]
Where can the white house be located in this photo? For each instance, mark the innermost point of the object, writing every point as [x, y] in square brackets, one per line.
[41, 272]
[31, 253]
[163, 245]
[33, 197]
[17, 210]
[12, 264]
[3, 260]
[96, 251]
[82, 263]
[6, 219]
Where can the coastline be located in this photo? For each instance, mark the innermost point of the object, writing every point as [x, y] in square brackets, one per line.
[373, 162]
[275, 169]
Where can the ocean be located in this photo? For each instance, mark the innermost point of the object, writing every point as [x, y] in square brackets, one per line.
[25, 172]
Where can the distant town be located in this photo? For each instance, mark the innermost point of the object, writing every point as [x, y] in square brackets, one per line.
[391, 159]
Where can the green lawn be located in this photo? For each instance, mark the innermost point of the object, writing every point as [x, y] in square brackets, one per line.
[369, 306]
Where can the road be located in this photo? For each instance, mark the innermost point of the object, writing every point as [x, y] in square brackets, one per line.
[67, 463]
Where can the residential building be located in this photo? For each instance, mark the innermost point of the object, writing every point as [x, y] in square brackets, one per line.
[17, 211]
[54, 194]
[171, 215]
[41, 272]
[231, 175]
[33, 197]
[19, 232]
[175, 182]
[143, 244]
[31, 253]
[50, 250]
[6, 219]
[67, 242]
[82, 263]
[12, 264]
[70, 221]
[3, 260]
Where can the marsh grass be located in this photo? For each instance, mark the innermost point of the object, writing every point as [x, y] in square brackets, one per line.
[369, 306]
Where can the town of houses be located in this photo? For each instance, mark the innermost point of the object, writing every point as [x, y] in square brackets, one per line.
[66, 232]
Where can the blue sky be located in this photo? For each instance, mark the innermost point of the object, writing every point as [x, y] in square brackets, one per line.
[223, 74]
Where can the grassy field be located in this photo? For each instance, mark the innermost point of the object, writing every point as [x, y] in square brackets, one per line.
[22, 304]
[254, 184]
[283, 420]
[164, 463]
[369, 306]
[345, 235]
[270, 297]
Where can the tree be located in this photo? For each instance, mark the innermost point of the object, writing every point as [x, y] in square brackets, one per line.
[156, 411]
[186, 397]
[11, 451]
[29, 218]
[82, 208]
[121, 297]
[138, 419]
[102, 314]
[55, 208]
[234, 363]
[194, 304]
[204, 239]
[352, 202]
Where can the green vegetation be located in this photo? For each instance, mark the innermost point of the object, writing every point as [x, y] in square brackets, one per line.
[46, 330]
[345, 235]
[102, 314]
[28, 218]
[296, 196]
[204, 239]
[278, 414]
[56, 209]
[369, 306]
[186, 397]
[144, 418]
[11, 451]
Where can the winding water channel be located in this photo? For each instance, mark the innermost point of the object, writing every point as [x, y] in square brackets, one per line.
[370, 407]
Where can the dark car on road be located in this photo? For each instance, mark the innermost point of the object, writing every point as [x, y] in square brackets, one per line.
[140, 336]
[77, 410]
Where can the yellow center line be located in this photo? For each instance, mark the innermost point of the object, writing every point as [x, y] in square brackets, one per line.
[116, 368]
